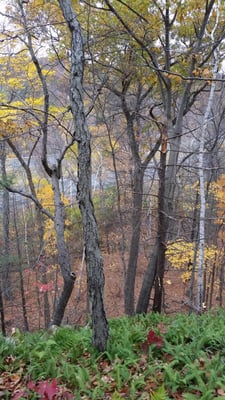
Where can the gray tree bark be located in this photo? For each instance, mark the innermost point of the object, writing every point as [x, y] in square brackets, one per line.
[63, 253]
[22, 290]
[139, 168]
[132, 115]
[7, 289]
[2, 313]
[94, 261]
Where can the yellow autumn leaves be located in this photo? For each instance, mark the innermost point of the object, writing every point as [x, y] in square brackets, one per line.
[46, 197]
[183, 254]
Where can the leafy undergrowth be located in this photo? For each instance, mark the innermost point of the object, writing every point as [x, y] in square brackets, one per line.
[148, 357]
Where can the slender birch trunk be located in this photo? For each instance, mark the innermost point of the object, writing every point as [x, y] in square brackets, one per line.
[202, 194]
[201, 217]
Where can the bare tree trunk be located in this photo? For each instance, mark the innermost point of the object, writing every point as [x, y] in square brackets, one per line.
[63, 254]
[221, 284]
[155, 269]
[162, 230]
[193, 271]
[212, 285]
[202, 175]
[2, 312]
[194, 237]
[148, 282]
[119, 207]
[7, 291]
[23, 297]
[47, 315]
[137, 189]
[94, 261]
[39, 218]
[208, 285]
[201, 221]
[139, 166]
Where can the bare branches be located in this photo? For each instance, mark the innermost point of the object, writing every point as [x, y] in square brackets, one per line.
[28, 196]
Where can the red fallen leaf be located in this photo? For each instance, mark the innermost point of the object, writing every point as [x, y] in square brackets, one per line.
[48, 389]
[152, 338]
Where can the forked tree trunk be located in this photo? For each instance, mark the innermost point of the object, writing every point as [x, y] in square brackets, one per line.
[148, 282]
[94, 261]
[53, 173]
[63, 253]
[155, 270]
[173, 115]
[139, 166]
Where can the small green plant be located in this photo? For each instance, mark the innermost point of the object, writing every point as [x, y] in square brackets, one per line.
[148, 357]
[160, 394]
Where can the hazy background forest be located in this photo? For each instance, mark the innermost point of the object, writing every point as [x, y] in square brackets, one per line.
[155, 108]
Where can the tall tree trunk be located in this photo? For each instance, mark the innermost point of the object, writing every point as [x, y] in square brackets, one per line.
[148, 282]
[119, 206]
[94, 261]
[201, 170]
[137, 189]
[23, 297]
[2, 312]
[193, 271]
[63, 254]
[201, 224]
[47, 315]
[7, 291]
[162, 230]
[39, 218]
[155, 269]
[93, 258]
[212, 285]
[139, 168]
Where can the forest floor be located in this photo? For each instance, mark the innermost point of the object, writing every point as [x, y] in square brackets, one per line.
[175, 295]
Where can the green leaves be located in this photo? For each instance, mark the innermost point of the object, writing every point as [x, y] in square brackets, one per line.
[160, 394]
[190, 365]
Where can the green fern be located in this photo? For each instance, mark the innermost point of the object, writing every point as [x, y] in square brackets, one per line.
[160, 394]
